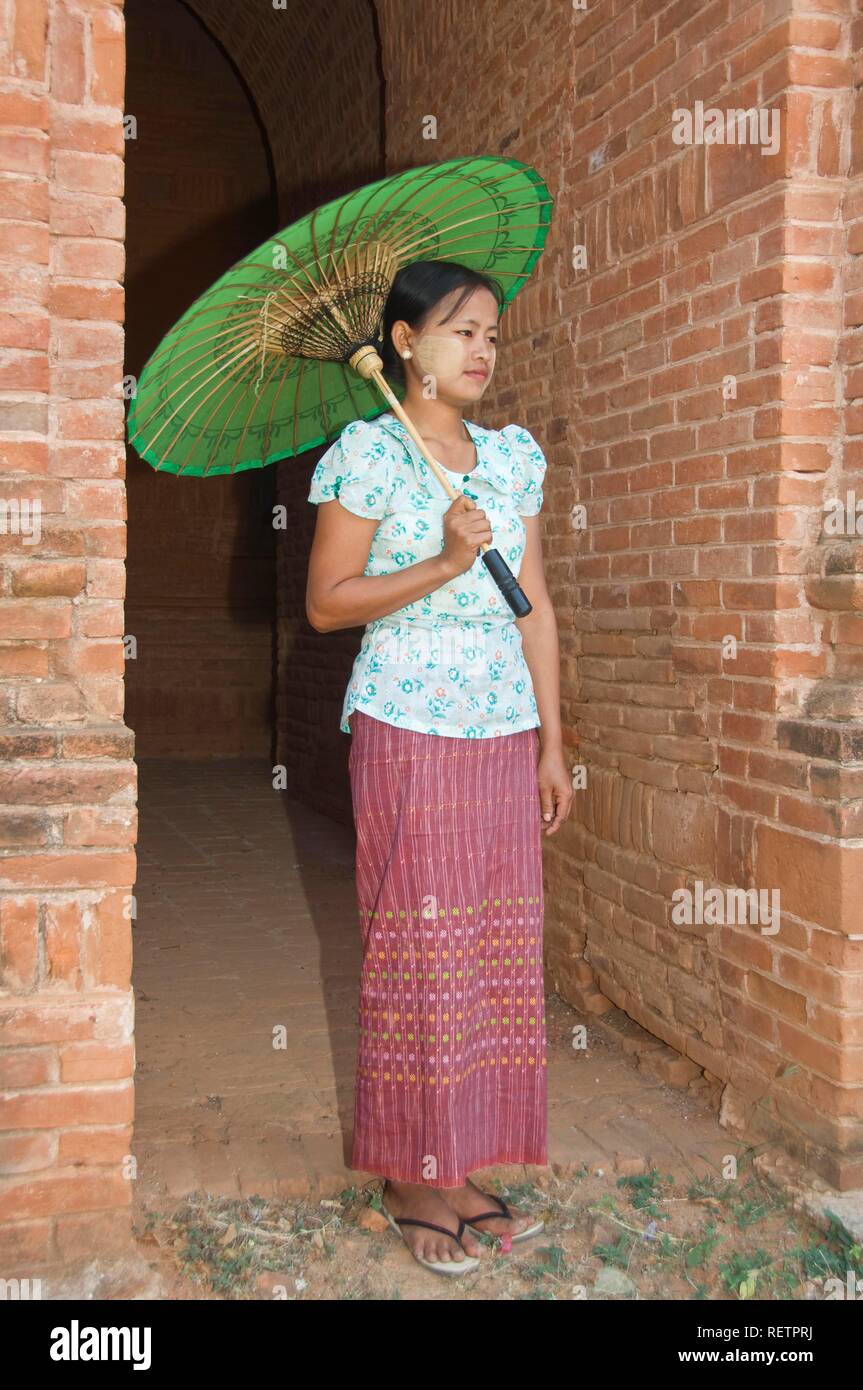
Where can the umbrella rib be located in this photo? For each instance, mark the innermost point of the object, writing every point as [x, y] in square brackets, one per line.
[431, 173]
[239, 442]
[480, 217]
[297, 404]
[349, 303]
[398, 182]
[197, 437]
[188, 377]
[324, 416]
[179, 407]
[215, 448]
[435, 180]
[269, 425]
[451, 241]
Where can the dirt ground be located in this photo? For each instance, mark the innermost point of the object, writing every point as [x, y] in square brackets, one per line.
[658, 1236]
[620, 1225]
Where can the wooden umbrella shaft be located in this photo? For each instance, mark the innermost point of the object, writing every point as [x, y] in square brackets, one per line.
[367, 362]
[409, 425]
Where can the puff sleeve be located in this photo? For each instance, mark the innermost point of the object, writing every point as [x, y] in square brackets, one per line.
[357, 470]
[529, 470]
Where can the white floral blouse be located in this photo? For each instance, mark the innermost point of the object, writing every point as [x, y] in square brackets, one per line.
[450, 663]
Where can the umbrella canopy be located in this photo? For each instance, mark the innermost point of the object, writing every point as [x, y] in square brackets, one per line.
[259, 367]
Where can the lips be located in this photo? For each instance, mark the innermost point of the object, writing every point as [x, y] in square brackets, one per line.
[482, 375]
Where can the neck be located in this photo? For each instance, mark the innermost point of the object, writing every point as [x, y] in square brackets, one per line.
[436, 419]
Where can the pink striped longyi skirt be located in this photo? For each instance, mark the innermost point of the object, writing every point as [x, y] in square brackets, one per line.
[451, 1063]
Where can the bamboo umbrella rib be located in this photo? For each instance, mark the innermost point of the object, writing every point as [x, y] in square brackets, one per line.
[179, 407]
[398, 181]
[284, 378]
[187, 377]
[324, 412]
[467, 221]
[303, 366]
[435, 185]
[198, 437]
[427, 174]
[243, 394]
[268, 427]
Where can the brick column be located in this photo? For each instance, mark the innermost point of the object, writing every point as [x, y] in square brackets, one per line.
[67, 784]
[717, 320]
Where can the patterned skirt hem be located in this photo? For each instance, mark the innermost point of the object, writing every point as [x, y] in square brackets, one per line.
[537, 1161]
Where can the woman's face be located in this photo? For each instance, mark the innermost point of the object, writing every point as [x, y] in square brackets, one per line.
[454, 361]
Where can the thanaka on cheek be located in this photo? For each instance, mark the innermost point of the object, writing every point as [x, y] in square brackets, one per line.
[439, 356]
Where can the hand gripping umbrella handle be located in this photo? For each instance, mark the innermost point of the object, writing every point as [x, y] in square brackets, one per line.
[364, 362]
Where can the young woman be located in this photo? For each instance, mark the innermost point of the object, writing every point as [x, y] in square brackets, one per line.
[456, 768]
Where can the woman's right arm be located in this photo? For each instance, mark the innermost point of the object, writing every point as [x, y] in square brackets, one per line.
[339, 595]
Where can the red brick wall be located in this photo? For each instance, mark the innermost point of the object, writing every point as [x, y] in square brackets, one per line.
[67, 779]
[703, 523]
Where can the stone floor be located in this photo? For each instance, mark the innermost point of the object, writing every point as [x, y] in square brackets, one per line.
[246, 963]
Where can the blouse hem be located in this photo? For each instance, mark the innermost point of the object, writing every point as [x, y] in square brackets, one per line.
[439, 733]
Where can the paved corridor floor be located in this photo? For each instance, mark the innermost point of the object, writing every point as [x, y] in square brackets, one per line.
[246, 967]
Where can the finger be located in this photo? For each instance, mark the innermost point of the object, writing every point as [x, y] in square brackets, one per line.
[546, 802]
[563, 801]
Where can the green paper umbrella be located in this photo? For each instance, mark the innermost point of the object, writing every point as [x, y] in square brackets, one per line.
[282, 351]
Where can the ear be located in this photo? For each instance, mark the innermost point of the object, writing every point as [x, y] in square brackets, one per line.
[399, 335]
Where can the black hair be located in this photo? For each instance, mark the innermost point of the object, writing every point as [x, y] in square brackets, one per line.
[415, 291]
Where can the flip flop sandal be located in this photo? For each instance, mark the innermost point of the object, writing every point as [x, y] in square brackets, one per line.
[503, 1212]
[454, 1267]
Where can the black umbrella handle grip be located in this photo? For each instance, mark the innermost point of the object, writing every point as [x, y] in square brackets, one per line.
[506, 582]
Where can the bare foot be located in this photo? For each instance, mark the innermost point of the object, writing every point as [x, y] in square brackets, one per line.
[468, 1201]
[424, 1203]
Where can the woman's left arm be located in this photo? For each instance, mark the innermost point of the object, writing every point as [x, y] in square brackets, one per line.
[542, 654]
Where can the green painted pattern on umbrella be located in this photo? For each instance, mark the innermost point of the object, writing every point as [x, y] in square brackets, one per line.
[217, 396]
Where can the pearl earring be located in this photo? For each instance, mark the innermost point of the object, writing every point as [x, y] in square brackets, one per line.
[407, 353]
